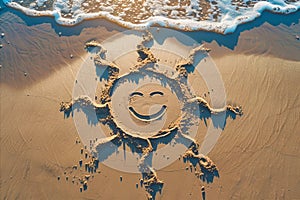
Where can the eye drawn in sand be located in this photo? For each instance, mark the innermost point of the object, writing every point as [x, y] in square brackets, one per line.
[144, 110]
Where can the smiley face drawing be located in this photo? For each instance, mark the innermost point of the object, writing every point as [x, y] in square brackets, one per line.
[149, 111]
[145, 108]
[138, 98]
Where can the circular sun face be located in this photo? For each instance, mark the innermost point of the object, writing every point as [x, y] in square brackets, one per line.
[141, 106]
[144, 107]
[142, 101]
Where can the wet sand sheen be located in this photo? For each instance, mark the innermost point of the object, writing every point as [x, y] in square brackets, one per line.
[24, 36]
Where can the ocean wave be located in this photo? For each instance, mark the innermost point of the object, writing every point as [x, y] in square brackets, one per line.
[188, 15]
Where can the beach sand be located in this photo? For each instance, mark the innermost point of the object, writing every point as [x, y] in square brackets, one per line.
[257, 154]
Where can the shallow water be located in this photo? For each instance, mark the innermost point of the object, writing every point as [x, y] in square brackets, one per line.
[188, 15]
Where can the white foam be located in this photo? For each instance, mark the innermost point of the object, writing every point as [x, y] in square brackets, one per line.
[227, 21]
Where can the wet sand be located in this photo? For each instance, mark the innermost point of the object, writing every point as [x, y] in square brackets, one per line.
[257, 154]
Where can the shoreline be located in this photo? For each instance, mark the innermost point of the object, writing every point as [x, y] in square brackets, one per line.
[223, 27]
[242, 41]
[266, 16]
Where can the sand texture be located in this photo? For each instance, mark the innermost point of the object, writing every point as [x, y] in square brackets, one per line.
[42, 156]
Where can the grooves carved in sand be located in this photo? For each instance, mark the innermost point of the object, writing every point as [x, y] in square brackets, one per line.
[144, 145]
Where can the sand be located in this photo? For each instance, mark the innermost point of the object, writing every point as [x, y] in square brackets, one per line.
[257, 154]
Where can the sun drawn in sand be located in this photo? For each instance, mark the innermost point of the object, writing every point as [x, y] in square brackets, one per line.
[146, 109]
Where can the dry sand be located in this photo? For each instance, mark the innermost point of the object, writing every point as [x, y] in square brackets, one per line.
[257, 155]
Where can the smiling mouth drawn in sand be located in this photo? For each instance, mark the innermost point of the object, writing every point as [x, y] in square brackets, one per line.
[148, 100]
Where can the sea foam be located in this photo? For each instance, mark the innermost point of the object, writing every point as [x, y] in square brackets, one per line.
[188, 15]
